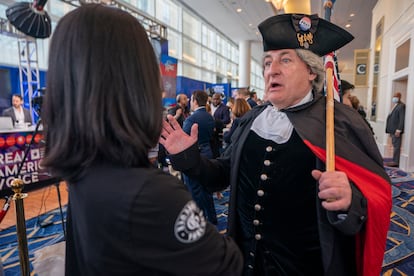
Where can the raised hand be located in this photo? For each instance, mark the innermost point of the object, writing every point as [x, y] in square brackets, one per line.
[174, 139]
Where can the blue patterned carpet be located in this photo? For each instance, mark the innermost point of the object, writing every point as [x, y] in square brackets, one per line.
[398, 259]
[399, 255]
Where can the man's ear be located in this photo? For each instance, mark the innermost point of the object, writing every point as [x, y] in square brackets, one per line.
[312, 76]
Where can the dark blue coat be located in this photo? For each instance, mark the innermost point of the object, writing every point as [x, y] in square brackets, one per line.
[205, 125]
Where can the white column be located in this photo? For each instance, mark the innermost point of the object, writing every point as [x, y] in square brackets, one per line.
[244, 63]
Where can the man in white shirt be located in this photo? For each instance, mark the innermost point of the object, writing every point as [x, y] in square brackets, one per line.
[17, 112]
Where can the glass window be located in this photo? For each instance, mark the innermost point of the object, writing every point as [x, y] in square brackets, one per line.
[208, 76]
[146, 6]
[234, 70]
[191, 51]
[42, 53]
[234, 54]
[9, 50]
[212, 37]
[59, 8]
[222, 66]
[208, 59]
[191, 26]
[174, 47]
[3, 9]
[234, 83]
[191, 71]
[218, 44]
[167, 12]
[208, 38]
[204, 35]
[225, 48]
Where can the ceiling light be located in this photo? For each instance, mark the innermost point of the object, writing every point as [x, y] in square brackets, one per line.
[239, 10]
[348, 25]
[279, 4]
[352, 15]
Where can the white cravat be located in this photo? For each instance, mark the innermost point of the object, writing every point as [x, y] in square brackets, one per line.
[274, 125]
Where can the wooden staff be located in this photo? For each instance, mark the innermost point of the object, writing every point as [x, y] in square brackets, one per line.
[330, 135]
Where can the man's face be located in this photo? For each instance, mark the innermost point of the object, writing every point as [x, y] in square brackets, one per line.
[183, 100]
[287, 78]
[16, 102]
[216, 100]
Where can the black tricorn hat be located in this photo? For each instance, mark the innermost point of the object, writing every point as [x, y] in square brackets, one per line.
[302, 31]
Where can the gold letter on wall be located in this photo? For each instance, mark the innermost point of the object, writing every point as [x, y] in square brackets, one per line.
[361, 61]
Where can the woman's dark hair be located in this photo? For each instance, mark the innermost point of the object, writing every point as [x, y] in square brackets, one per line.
[104, 92]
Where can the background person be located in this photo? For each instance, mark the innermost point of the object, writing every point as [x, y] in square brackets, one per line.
[125, 217]
[17, 112]
[346, 88]
[352, 101]
[221, 114]
[360, 109]
[181, 110]
[219, 110]
[205, 123]
[240, 107]
[288, 215]
[244, 93]
[395, 127]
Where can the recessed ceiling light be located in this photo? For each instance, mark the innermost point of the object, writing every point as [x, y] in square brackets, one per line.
[352, 15]
[239, 10]
[250, 24]
[348, 25]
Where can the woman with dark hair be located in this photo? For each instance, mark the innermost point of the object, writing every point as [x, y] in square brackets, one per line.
[102, 114]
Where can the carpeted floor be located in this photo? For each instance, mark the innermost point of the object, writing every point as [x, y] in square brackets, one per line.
[399, 255]
[45, 231]
[42, 232]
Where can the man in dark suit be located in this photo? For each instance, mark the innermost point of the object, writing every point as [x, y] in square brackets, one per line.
[205, 122]
[219, 110]
[17, 112]
[221, 114]
[395, 127]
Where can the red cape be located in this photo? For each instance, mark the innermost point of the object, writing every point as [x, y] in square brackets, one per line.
[372, 240]
[357, 155]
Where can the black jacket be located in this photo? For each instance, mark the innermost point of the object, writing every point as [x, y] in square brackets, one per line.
[141, 221]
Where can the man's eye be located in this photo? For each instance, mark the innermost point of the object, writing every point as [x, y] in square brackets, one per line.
[267, 63]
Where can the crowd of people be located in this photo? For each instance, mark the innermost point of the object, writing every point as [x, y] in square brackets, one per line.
[287, 214]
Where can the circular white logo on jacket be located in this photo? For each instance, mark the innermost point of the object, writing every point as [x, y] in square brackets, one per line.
[190, 224]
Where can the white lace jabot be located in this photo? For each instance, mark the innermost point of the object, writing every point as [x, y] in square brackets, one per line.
[274, 125]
